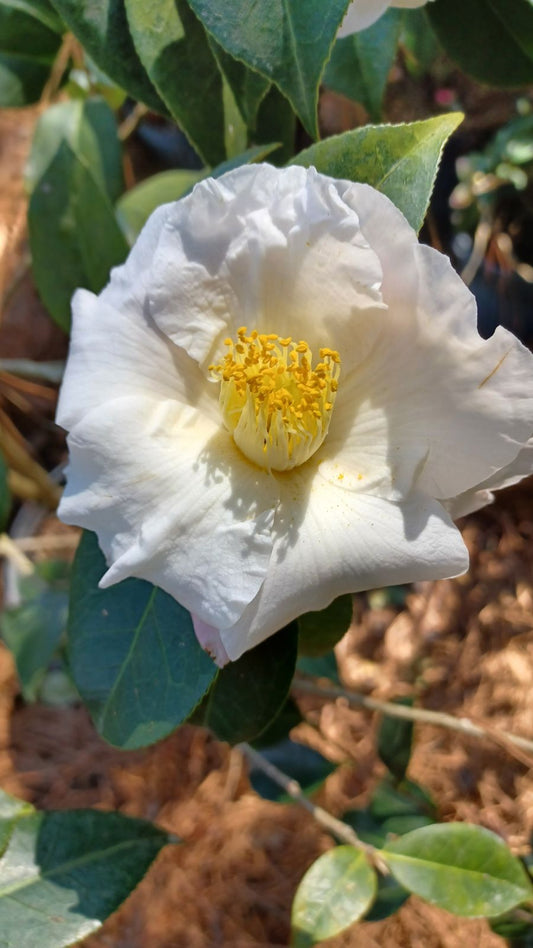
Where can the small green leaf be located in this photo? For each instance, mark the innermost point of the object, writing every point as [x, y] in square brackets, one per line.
[295, 760]
[30, 36]
[334, 893]
[287, 41]
[5, 495]
[90, 129]
[173, 47]
[63, 873]
[74, 236]
[33, 630]
[391, 800]
[320, 631]
[249, 693]
[101, 26]
[502, 52]
[360, 63]
[462, 868]
[395, 739]
[133, 654]
[401, 161]
[248, 87]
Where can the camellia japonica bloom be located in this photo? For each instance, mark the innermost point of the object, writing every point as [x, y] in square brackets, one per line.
[363, 13]
[281, 397]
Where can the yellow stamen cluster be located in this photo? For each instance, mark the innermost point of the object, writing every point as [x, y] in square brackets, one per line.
[277, 407]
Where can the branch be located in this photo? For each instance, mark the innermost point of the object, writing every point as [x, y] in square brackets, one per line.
[438, 718]
[337, 828]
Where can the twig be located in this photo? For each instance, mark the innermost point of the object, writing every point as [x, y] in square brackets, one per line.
[479, 249]
[424, 716]
[337, 828]
[130, 123]
[18, 457]
[10, 550]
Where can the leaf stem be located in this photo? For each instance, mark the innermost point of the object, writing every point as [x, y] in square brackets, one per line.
[340, 830]
[438, 718]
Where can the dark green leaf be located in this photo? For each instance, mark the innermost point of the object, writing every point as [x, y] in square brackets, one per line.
[462, 868]
[399, 160]
[173, 48]
[286, 41]
[249, 693]
[390, 897]
[63, 873]
[518, 932]
[33, 630]
[248, 87]
[420, 45]
[74, 236]
[502, 52]
[276, 122]
[320, 631]
[300, 763]
[391, 800]
[30, 35]
[287, 718]
[133, 654]
[101, 27]
[360, 63]
[334, 893]
[324, 666]
[5, 496]
[395, 739]
[89, 127]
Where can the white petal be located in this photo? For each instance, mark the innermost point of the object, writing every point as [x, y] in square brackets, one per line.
[209, 639]
[274, 252]
[409, 4]
[329, 542]
[173, 502]
[362, 14]
[470, 501]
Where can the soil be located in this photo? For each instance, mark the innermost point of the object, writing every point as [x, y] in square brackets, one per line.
[463, 646]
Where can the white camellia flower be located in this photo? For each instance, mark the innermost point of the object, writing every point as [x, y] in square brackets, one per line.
[363, 13]
[281, 397]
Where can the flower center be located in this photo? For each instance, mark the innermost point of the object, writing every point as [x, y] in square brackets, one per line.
[277, 407]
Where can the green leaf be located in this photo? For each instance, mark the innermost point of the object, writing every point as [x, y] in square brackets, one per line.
[391, 800]
[278, 729]
[502, 52]
[10, 811]
[248, 87]
[101, 26]
[360, 63]
[90, 129]
[287, 41]
[133, 654]
[30, 36]
[320, 631]
[249, 693]
[324, 666]
[74, 235]
[33, 630]
[395, 739]
[401, 161]
[518, 932]
[5, 495]
[276, 122]
[63, 873]
[462, 868]
[135, 206]
[420, 45]
[295, 760]
[334, 893]
[173, 47]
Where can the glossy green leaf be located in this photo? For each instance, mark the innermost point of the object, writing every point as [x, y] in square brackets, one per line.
[334, 893]
[395, 739]
[360, 63]
[401, 161]
[63, 873]
[278, 730]
[133, 654]
[462, 868]
[5, 495]
[101, 26]
[491, 40]
[135, 206]
[33, 630]
[287, 41]
[276, 122]
[173, 47]
[320, 631]
[248, 87]
[30, 36]
[74, 235]
[297, 761]
[249, 693]
[90, 129]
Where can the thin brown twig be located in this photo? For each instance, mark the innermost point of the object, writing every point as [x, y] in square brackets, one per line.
[421, 715]
[340, 830]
